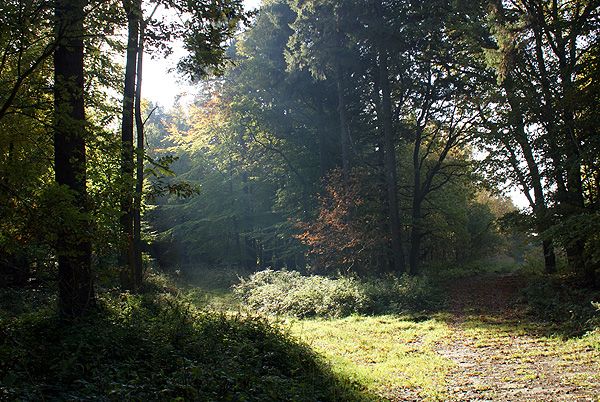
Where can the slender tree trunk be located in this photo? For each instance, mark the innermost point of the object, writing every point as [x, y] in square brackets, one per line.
[340, 84]
[387, 262]
[576, 201]
[390, 162]
[417, 199]
[139, 177]
[75, 283]
[415, 237]
[324, 156]
[127, 162]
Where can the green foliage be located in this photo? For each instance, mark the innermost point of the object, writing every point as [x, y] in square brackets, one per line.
[555, 300]
[404, 294]
[290, 293]
[348, 235]
[489, 266]
[155, 347]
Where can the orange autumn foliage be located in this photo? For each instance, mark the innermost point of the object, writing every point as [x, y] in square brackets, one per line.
[349, 233]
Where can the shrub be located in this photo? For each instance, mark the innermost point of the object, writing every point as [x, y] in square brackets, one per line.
[402, 294]
[553, 299]
[290, 293]
[156, 347]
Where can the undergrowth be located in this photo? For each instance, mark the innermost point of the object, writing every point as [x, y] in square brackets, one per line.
[290, 293]
[573, 309]
[157, 347]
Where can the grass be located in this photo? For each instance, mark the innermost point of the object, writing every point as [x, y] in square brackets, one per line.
[191, 341]
[386, 355]
[421, 356]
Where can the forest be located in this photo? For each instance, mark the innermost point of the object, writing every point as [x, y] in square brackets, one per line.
[366, 200]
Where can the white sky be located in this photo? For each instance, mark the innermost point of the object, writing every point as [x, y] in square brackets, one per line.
[161, 86]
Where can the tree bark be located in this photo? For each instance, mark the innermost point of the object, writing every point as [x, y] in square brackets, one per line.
[417, 199]
[415, 237]
[343, 121]
[127, 258]
[324, 155]
[390, 163]
[139, 177]
[575, 199]
[540, 209]
[75, 283]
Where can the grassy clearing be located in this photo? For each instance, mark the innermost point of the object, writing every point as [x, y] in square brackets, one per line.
[387, 355]
[191, 341]
[475, 352]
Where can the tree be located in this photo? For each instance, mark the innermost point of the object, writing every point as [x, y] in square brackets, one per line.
[320, 44]
[542, 47]
[133, 11]
[203, 28]
[385, 118]
[76, 290]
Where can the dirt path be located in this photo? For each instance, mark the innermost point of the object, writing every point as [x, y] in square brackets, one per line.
[497, 358]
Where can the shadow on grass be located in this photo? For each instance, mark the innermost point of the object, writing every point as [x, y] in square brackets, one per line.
[158, 348]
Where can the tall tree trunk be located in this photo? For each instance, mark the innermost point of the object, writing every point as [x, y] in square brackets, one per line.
[417, 199]
[576, 201]
[390, 162]
[139, 177]
[573, 205]
[324, 155]
[341, 87]
[127, 164]
[75, 283]
[343, 121]
[416, 236]
[540, 209]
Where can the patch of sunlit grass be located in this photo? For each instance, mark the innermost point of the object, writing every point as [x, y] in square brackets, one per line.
[384, 353]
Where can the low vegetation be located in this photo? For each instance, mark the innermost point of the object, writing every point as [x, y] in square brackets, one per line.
[157, 347]
[292, 294]
[377, 340]
[572, 310]
[395, 357]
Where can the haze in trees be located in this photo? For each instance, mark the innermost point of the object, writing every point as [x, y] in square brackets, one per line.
[339, 158]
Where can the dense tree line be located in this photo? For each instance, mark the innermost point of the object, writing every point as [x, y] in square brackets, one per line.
[369, 136]
[365, 136]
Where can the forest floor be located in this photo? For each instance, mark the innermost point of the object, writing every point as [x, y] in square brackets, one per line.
[500, 355]
[482, 348]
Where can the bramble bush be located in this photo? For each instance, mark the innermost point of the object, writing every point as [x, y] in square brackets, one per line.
[290, 293]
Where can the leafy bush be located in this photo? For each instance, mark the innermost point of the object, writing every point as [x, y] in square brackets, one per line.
[155, 347]
[290, 293]
[394, 294]
[554, 299]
